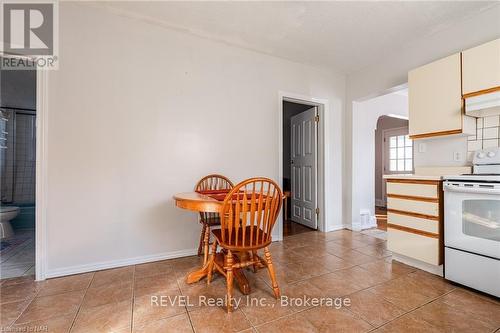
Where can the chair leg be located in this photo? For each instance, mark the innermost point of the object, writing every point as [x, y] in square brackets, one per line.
[211, 262]
[206, 243]
[202, 237]
[229, 280]
[272, 273]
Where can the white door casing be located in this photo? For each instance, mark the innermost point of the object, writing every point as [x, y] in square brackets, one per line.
[303, 162]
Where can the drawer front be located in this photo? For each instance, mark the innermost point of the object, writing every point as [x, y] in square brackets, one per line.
[413, 222]
[414, 206]
[415, 246]
[413, 190]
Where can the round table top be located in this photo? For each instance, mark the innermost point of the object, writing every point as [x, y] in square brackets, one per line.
[197, 202]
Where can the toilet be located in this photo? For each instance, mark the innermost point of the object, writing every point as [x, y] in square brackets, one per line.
[7, 213]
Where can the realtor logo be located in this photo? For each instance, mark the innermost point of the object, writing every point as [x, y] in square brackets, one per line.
[29, 29]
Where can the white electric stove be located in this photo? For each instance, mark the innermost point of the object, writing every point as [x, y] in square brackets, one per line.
[472, 224]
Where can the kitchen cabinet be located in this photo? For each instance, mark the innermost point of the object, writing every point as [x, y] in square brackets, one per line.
[435, 100]
[481, 68]
[415, 219]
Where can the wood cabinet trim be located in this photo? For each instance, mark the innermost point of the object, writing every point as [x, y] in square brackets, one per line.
[415, 181]
[414, 198]
[429, 135]
[462, 102]
[422, 216]
[481, 92]
[413, 231]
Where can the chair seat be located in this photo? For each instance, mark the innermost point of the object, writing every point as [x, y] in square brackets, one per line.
[211, 221]
[248, 233]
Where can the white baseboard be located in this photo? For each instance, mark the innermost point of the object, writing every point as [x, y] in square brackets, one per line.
[436, 270]
[52, 273]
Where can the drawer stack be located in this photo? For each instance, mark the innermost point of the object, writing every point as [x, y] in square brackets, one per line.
[415, 219]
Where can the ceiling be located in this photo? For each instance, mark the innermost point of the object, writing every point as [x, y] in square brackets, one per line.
[346, 36]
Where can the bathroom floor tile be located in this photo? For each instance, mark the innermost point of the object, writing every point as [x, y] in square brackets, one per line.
[17, 258]
[15, 270]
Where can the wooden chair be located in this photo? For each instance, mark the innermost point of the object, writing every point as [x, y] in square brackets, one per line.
[208, 220]
[248, 215]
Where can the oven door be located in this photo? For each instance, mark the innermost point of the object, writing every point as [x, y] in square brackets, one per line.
[472, 218]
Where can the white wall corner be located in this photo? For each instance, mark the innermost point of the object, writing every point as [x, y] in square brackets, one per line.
[337, 227]
[355, 226]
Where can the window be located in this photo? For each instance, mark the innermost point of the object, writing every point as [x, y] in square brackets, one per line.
[400, 153]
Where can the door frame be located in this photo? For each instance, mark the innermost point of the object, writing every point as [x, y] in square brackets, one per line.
[41, 178]
[322, 105]
[41, 173]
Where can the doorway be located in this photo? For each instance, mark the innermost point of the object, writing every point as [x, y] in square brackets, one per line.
[18, 145]
[393, 154]
[300, 168]
[367, 159]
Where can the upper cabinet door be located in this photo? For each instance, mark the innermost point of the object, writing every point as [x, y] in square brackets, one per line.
[481, 67]
[435, 98]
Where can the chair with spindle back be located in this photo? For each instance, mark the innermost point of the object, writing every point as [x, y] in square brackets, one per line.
[210, 183]
[248, 215]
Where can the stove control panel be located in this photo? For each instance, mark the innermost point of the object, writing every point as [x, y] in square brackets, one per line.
[487, 156]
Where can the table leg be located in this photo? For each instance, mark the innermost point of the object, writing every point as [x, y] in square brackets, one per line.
[198, 274]
[238, 273]
[241, 281]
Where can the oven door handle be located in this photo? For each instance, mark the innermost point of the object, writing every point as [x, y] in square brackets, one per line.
[475, 190]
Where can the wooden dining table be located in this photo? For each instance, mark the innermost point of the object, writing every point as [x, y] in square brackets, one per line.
[208, 203]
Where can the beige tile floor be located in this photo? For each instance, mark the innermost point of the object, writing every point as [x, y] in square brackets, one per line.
[384, 296]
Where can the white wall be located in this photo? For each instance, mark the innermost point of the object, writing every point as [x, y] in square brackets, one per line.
[138, 113]
[440, 151]
[365, 117]
[392, 71]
